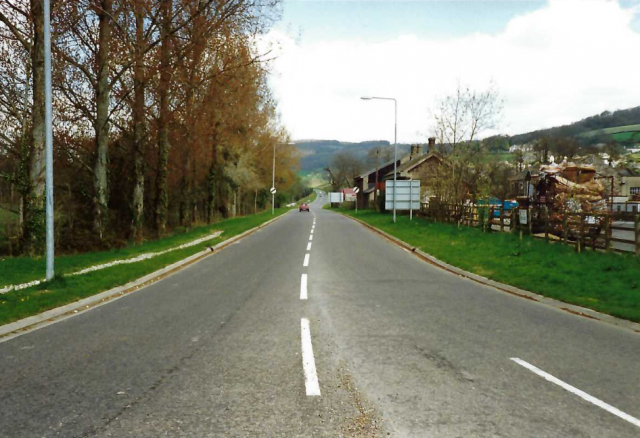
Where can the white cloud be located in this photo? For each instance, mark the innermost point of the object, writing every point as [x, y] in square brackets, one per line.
[564, 62]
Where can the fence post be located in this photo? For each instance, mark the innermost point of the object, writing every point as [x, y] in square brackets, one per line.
[530, 220]
[491, 213]
[607, 234]
[502, 219]
[636, 229]
[565, 228]
[546, 225]
[581, 235]
[518, 224]
[483, 218]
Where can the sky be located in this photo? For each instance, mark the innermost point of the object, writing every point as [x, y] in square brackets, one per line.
[554, 62]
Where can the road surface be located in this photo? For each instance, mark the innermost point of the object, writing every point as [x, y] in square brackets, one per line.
[378, 343]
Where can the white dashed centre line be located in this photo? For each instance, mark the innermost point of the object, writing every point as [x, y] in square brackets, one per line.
[578, 392]
[309, 246]
[311, 237]
[311, 231]
[303, 287]
[308, 362]
[306, 260]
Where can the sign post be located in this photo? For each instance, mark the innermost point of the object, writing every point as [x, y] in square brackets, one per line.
[356, 190]
[273, 199]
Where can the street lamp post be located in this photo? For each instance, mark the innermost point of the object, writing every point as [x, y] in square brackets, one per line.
[48, 140]
[395, 148]
[273, 182]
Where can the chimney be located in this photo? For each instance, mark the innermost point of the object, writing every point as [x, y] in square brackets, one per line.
[413, 151]
[418, 150]
[432, 144]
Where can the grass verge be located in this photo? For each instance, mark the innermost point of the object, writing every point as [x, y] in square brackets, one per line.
[607, 283]
[62, 290]
[309, 199]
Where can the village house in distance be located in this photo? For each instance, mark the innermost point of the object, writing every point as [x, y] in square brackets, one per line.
[417, 164]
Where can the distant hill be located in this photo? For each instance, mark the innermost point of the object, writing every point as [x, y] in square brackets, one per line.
[592, 129]
[317, 154]
[622, 126]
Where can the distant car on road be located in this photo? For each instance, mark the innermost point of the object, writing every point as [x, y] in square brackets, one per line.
[304, 207]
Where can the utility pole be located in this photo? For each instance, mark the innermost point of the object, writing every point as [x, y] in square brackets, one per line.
[48, 140]
[395, 158]
[273, 182]
[375, 189]
[395, 148]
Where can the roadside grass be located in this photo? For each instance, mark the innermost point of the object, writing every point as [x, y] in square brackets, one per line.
[62, 290]
[16, 270]
[607, 283]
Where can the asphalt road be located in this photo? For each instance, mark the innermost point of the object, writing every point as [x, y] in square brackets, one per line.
[399, 348]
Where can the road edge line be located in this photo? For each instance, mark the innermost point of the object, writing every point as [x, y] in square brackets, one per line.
[578, 392]
[511, 290]
[52, 316]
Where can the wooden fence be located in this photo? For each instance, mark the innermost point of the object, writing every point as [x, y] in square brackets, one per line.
[617, 231]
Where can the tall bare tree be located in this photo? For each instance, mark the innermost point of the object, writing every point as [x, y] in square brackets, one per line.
[459, 120]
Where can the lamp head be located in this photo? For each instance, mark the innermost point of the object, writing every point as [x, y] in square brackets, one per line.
[365, 98]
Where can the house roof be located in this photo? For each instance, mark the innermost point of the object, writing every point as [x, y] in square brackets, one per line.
[628, 172]
[522, 175]
[380, 166]
[409, 165]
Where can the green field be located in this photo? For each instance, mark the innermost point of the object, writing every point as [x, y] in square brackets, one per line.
[500, 156]
[62, 290]
[620, 133]
[608, 283]
[313, 178]
[312, 197]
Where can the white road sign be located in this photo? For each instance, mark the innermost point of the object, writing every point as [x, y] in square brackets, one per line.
[273, 190]
[356, 190]
[335, 197]
[408, 195]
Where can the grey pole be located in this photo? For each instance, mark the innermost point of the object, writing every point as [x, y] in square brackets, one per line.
[395, 148]
[48, 139]
[273, 181]
[395, 159]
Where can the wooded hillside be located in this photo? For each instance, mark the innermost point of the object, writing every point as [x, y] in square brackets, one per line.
[162, 118]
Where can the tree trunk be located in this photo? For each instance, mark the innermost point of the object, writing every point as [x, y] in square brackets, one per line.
[211, 193]
[162, 200]
[100, 178]
[33, 194]
[211, 184]
[138, 128]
